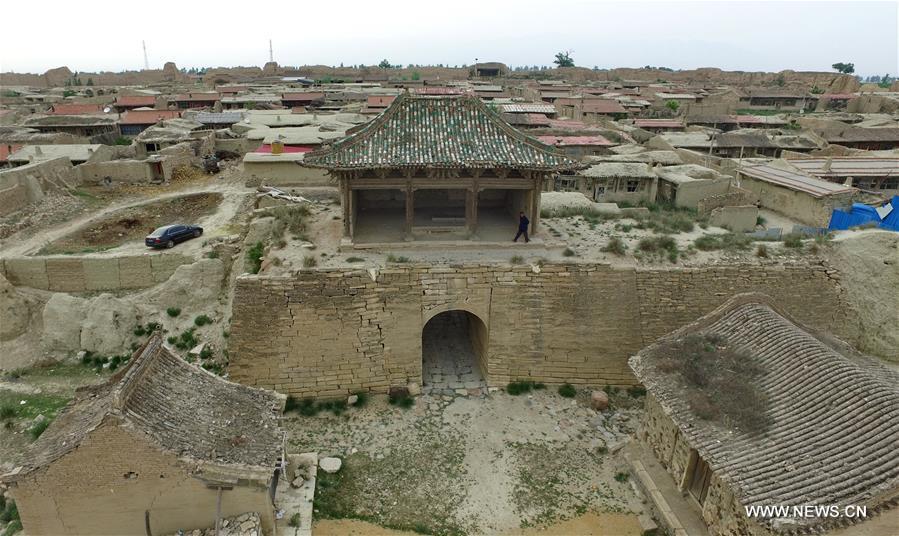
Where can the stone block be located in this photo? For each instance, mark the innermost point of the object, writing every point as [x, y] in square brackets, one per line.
[101, 273]
[136, 272]
[27, 272]
[65, 274]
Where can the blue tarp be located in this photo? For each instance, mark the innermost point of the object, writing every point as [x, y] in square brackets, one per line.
[860, 215]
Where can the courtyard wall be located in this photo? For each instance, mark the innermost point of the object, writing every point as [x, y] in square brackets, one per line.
[80, 274]
[330, 332]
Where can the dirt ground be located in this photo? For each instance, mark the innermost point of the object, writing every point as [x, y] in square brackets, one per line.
[134, 223]
[495, 464]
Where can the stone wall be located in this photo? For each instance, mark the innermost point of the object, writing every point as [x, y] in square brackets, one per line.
[81, 274]
[334, 331]
[12, 199]
[31, 181]
[114, 479]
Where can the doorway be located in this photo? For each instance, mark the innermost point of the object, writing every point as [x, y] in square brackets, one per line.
[453, 348]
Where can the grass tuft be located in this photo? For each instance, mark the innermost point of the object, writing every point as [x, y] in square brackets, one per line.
[567, 390]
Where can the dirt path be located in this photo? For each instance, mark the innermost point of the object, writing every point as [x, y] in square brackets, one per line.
[14, 246]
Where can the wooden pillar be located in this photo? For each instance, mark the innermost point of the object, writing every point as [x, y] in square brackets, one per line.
[346, 194]
[410, 210]
[535, 204]
[471, 208]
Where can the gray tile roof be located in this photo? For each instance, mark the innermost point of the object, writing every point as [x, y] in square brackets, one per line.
[834, 416]
[445, 132]
[179, 407]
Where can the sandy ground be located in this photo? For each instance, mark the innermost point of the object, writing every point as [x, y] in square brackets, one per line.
[481, 465]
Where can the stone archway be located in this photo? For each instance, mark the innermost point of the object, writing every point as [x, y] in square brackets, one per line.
[454, 352]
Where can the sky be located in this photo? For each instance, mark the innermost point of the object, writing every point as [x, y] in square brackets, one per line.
[102, 35]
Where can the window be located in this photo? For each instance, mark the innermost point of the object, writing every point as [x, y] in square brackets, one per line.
[599, 192]
[632, 186]
[565, 184]
[152, 147]
[890, 184]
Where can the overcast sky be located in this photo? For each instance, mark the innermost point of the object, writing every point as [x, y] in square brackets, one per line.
[94, 35]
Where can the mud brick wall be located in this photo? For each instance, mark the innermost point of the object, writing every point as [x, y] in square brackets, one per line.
[12, 199]
[331, 332]
[89, 491]
[83, 274]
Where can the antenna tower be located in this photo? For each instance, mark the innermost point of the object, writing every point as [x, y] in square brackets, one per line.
[146, 61]
[271, 56]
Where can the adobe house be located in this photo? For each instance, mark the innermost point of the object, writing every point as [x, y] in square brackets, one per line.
[163, 445]
[614, 182]
[438, 167]
[825, 435]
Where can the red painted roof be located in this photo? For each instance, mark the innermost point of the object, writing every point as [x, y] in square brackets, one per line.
[147, 117]
[658, 123]
[6, 150]
[380, 101]
[266, 148]
[562, 141]
[602, 106]
[136, 100]
[566, 124]
[436, 90]
[76, 109]
[303, 96]
[197, 97]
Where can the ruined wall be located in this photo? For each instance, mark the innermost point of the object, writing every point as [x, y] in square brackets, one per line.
[117, 171]
[80, 274]
[331, 332]
[13, 198]
[798, 205]
[31, 181]
[106, 485]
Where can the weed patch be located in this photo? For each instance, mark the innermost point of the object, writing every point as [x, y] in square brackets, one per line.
[254, 258]
[567, 390]
[615, 246]
[729, 241]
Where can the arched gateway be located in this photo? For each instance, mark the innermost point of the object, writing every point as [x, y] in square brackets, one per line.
[454, 352]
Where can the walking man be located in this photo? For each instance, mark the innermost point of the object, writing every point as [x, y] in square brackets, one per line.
[523, 223]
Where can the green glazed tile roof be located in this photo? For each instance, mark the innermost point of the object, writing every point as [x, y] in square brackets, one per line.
[444, 132]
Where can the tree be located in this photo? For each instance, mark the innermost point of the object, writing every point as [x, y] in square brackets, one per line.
[563, 59]
[90, 81]
[385, 64]
[845, 68]
[673, 105]
[886, 81]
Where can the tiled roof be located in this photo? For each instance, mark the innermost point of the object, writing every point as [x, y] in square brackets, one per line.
[527, 108]
[848, 166]
[177, 406]
[602, 106]
[795, 181]
[303, 96]
[562, 141]
[76, 109]
[136, 100]
[196, 97]
[833, 417]
[446, 132]
[147, 117]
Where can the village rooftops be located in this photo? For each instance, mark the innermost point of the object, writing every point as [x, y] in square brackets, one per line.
[136, 101]
[439, 132]
[147, 117]
[848, 166]
[77, 153]
[563, 141]
[525, 108]
[795, 181]
[183, 409]
[632, 170]
[832, 416]
[170, 130]
[849, 134]
[69, 121]
[76, 109]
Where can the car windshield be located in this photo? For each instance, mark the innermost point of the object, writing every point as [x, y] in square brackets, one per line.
[161, 231]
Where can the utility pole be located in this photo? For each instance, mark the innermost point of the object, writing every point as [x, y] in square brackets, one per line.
[146, 61]
[271, 56]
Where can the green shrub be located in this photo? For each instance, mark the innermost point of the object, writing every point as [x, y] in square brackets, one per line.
[38, 428]
[214, 254]
[792, 240]
[355, 259]
[361, 399]
[622, 476]
[186, 340]
[172, 339]
[729, 241]
[568, 252]
[202, 320]
[567, 390]
[309, 262]
[87, 358]
[254, 258]
[173, 311]
[152, 327]
[10, 512]
[516, 259]
[7, 412]
[615, 246]
[657, 244]
[636, 391]
[761, 251]
[760, 220]
[294, 520]
[401, 398]
[291, 218]
[393, 258]
[139, 331]
[206, 352]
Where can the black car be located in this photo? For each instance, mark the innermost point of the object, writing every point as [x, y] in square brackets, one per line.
[169, 235]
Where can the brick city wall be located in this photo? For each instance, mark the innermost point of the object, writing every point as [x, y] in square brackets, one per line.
[81, 274]
[106, 485]
[333, 331]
